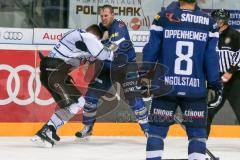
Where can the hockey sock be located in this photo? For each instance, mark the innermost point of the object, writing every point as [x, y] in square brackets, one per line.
[62, 115]
[59, 118]
[196, 149]
[197, 143]
[90, 111]
[155, 142]
[141, 112]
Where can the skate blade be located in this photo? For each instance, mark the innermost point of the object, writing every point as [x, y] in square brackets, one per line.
[40, 142]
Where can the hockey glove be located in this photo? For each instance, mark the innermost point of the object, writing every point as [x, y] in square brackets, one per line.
[144, 83]
[144, 87]
[113, 47]
[217, 99]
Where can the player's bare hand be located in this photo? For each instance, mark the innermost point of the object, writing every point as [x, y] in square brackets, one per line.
[226, 76]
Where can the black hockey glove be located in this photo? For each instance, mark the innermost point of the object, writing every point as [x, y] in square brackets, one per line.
[217, 98]
[144, 83]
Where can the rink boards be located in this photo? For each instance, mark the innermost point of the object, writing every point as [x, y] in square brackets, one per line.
[25, 104]
[110, 129]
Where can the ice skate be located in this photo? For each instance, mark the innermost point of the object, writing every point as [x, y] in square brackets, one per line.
[84, 134]
[45, 137]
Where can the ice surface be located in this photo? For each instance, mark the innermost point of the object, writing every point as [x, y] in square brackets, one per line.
[109, 148]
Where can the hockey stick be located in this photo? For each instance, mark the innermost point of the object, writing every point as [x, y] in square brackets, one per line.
[212, 157]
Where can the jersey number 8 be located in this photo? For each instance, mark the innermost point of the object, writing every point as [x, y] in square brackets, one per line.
[183, 58]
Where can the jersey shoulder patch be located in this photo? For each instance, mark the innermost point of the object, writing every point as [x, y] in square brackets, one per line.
[157, 17]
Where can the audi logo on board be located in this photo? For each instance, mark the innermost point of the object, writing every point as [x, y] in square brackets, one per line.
[140, 38]
[11, 35]
[13, 90]
[13, 86]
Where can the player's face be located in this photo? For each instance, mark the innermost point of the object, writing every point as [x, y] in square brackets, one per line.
[106, 17]
[220, 23]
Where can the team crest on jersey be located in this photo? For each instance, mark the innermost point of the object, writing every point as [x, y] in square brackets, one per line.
[157, 17]
[170, 16]
[115, 34]
[227, 40]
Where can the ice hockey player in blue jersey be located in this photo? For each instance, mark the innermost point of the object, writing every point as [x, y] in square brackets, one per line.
[182, 38]
[116, 32]
[76, 46]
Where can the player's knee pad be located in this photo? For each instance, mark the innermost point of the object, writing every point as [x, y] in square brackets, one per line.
[76, 107]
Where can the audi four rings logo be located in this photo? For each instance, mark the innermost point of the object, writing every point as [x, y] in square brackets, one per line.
[10, 35]
[14, 78]
[140, 38]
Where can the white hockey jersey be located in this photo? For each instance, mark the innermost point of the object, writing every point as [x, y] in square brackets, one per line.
[78, 45]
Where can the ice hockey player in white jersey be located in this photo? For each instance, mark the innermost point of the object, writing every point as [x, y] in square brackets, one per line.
[76, 46]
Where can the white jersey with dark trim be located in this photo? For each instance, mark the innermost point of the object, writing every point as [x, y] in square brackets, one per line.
[78, 45]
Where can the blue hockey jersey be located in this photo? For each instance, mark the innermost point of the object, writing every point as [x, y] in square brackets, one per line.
[118, 34]
[185, 42]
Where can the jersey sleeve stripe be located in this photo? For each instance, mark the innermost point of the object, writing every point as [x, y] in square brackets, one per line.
[156, 28]
[214, 34]
[66, 46]
[61, 53]
[99, 53]
[64, 35]
[119, 41]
